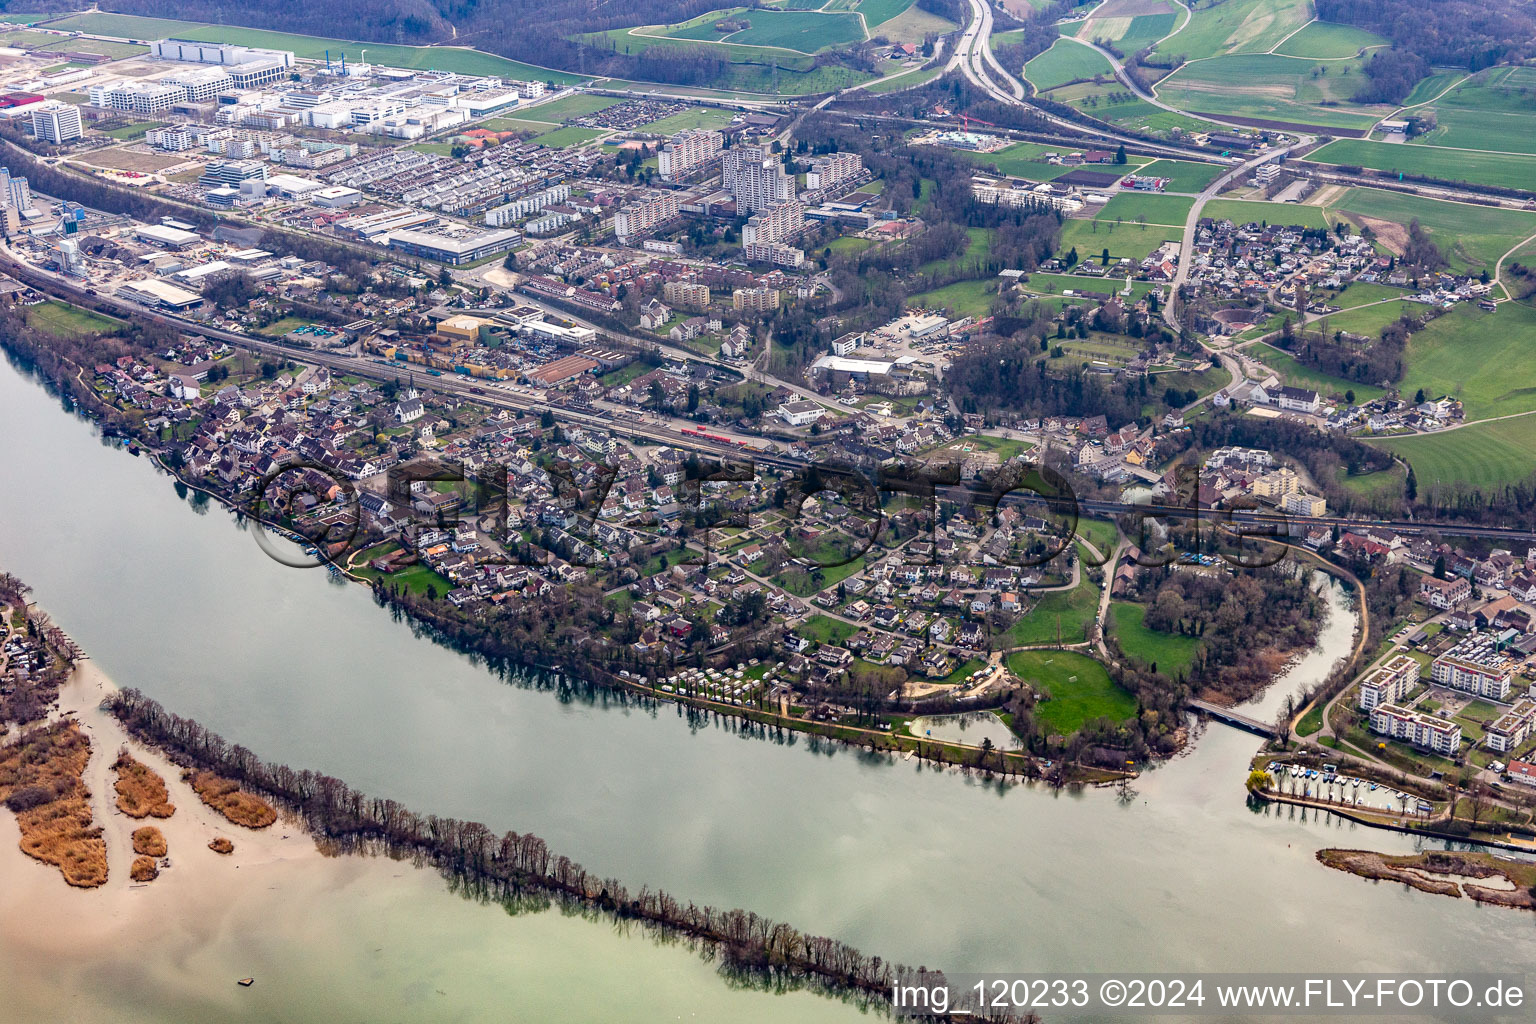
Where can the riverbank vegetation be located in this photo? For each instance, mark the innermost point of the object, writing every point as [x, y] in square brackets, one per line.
[510, 867]
[1445, 873]
[41, 783]
[226, 797]
[141, 792]
[149, 842]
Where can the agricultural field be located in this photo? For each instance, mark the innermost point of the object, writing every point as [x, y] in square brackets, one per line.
[1242, 211]
[62, 318]
[459, 59]
[1482, 455]
[1493, 110]
[905, 81]
[1065, 62]
[1237, 26]
[1322, 40]
[1272, 87]
[1295, 373]
[1183, 175]
[909, 25]
[1482, 358]
[1147, 207]
[802, 31]
[1428, 88]
[1170, 652]
[1359, 293]
[1078, 689]
[1128, 241]
[1114, 103]
[1369, 320]
[1507, 170]
[1470, 237]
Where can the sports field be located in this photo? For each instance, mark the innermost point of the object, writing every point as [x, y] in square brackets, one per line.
[1077, 689]
[1322, 40]
[1507, 170]
[1237, 26]
[1482, 455]
[1065, 62]
[442, 58]
[1183, 175]
[1482, 358]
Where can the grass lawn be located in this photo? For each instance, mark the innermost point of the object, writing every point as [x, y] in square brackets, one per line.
[1358, 293]
[1312, 721]
[1484, 359]
[1148, 207]
[697, 117]
[1482, 455]
[1295, 373]
[1073, 607]
[1066, 61]
[567, 108]
[133, 131]
[1098, 532]
[904, 81]
[1383, 482]
[1124, 240]
[1243, 211]
[62, 318]
[804, 584]
[1171, 653]
[1183, 175]
[969, 298]
[826, 630]
[1507, 170]
[1369, 320]
[1078, 689]
[416, 579]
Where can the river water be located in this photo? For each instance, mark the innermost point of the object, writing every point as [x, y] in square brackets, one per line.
[917, 864]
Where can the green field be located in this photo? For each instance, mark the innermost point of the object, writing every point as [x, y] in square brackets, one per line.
[1507, 170]
[968, 298]
[1273, 87]
[1237, 26]
[441, 58]
[1065, 62]
[62, 318]
[1112, 102]
[1147, 207]
[1079, 689]
[1241, 211]
[1482, 358]
[1492, 110]
[877, 11]
[1131, 241]
[904, 81]
[1482, 455]
[1323, 39]
[698, 117]
[1025, 160]
[1072, 608]
[1470, 237]
[1369, 320]
[803, 31]
[1293, 372]
[826, 630]
[1183, 175]
[566, 108]
[1358, 293]
[1170, 652]
[1129, 34]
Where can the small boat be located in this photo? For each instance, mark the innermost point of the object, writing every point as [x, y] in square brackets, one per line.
[246, 982]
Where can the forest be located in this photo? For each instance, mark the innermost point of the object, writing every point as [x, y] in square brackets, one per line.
[1461, 33]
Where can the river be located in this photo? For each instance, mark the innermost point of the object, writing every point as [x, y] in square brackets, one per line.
[916, 864]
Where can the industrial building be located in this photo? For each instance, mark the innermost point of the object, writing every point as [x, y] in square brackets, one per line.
[453, 250]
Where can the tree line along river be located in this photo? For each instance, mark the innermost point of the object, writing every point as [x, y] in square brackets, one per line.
[913, 863]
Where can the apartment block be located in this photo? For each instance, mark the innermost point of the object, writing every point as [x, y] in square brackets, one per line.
[828, 170]
[1476, 666]
[15, 193]
[755, 300]
[685, 293]
[777, 224]
[644, 215]
[773, 252]
[1424, 731]
[1388, 683]
[755, 178]
[510, 213]
[687, 151]
[1513, 728]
